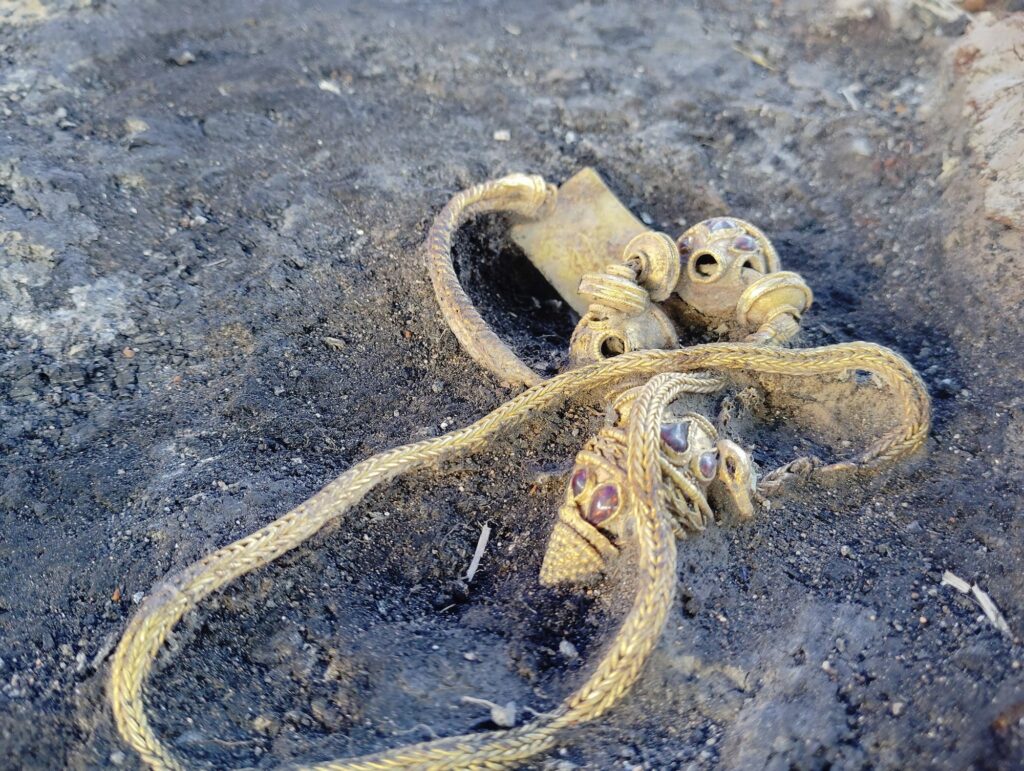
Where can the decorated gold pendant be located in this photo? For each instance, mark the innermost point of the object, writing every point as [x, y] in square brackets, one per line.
[695, 465]
[638, 289]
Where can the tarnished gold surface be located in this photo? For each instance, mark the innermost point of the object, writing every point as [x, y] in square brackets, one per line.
[585, 228]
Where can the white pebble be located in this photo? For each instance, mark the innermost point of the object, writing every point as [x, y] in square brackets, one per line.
[568, 650]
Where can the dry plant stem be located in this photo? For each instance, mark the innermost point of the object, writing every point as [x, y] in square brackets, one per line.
[517, 194]
[160, 612]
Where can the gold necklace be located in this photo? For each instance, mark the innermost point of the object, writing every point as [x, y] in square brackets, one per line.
[656, 472]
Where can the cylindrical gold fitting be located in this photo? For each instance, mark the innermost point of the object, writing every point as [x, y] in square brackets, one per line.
[617, 289]
[657, 259]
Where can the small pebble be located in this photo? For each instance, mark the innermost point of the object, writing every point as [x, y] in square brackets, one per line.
[504, 717]
[897, 708]
[502, 135]
[135, 125]
[568, 650]
[946, 388]
[117, 758]
[183, 58]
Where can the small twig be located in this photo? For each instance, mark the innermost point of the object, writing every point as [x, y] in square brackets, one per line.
[232, 744]
[104, 650]
[988, 607]
[952, 579]
[481, 544]
[418, 727]
[501, 716]
[540, 714]
[990, 610]
[759, 59]
[850, 94]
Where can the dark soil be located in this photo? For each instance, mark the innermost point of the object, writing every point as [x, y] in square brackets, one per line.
[202, 192]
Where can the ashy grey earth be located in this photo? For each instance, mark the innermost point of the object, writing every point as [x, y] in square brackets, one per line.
[195, 195]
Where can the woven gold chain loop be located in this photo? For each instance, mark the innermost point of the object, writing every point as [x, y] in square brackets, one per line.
[517, 194]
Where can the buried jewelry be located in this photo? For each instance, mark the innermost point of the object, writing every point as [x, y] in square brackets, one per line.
[656, 472]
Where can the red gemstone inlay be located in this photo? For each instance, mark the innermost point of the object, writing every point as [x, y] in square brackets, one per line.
[708, 465]
[604, 503]
[675, 435]
[579, 481]
[744, 243]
